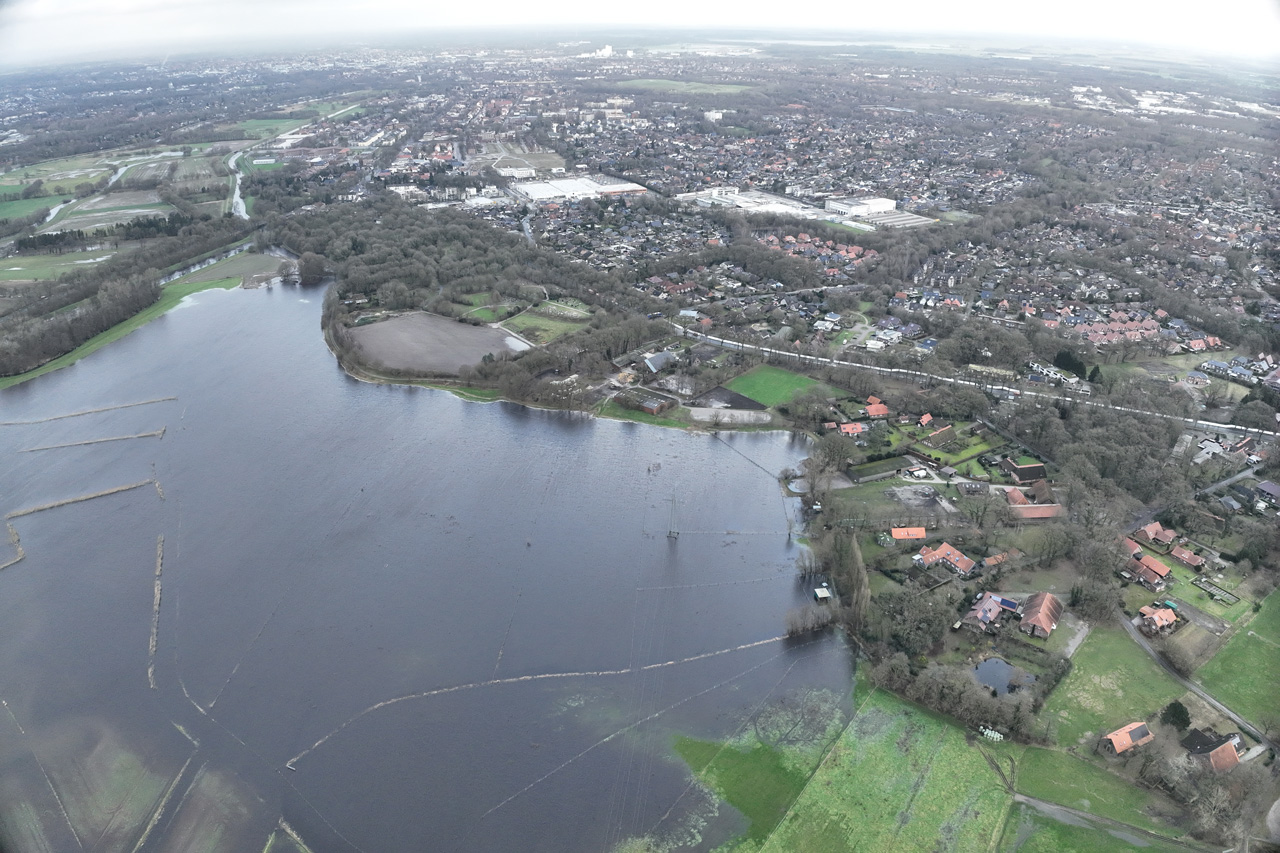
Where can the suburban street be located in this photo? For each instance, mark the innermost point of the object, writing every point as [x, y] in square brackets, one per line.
[930, 377]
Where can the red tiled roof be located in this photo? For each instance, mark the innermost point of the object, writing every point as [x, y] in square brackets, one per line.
[1134, 734]
[907, 532]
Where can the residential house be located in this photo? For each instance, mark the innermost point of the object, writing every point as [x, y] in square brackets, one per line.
[1269, 492]
[1133, 549]
[1126, 738]
[1188, 558]
[941, 437]
[999, 559]
[876, 410]
[1040, 614]
[925, 420]
[1041, 492]
[1149, 567]
[1157, 619]
[1220, 752]
[1023, 474]
[1156, 534]
[948, 554]
[987, 612]
[906, 533]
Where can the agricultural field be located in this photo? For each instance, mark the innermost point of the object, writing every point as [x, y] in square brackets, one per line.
[770, 385]
[241, 267]
[1243, 674]
[1112, 682]
[26, 206]
[43, 267]
[1058, 777]
[898, 779]
[684, 87]
[540, 327]
[65, 172]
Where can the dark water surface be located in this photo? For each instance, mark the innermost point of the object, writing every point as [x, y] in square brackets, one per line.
[503, 573]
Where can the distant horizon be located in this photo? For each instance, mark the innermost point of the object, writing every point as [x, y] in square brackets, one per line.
[39, 33]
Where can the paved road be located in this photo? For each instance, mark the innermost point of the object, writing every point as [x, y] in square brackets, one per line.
[1075, 817]
[1240, 721]
[1248, 472]
[803, 358]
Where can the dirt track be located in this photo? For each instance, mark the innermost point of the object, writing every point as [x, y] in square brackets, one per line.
[430, 344]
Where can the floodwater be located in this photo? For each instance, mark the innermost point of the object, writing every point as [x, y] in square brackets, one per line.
[388, 619]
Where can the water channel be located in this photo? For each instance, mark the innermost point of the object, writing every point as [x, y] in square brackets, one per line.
[382, 617]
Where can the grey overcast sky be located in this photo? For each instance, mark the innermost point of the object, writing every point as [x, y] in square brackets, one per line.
[34, 32]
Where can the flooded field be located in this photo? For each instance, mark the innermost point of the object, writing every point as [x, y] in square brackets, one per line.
[283, 609]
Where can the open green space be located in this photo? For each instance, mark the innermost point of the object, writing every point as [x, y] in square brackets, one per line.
[1243, 674]
[621, 413]
[1029, 831]
[686, 87]
[1112, 682]
[26, 206]
[771, 385]
[539, 328]
[169, 297]
[1058, 777]
[44, 267]
[898, 779]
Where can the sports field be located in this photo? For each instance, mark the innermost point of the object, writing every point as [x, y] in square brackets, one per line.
[771, 385]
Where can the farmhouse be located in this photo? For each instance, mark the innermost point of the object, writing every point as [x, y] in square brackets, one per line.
[1040, 614]
[945, 553]
[1023, 474]
[1124, 739]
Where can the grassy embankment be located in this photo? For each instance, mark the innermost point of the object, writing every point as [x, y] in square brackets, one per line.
[169, 297]
[224, 275]
[612, 410]
[1243, 674]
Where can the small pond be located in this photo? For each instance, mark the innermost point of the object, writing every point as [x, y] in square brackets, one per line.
[1001, 676]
